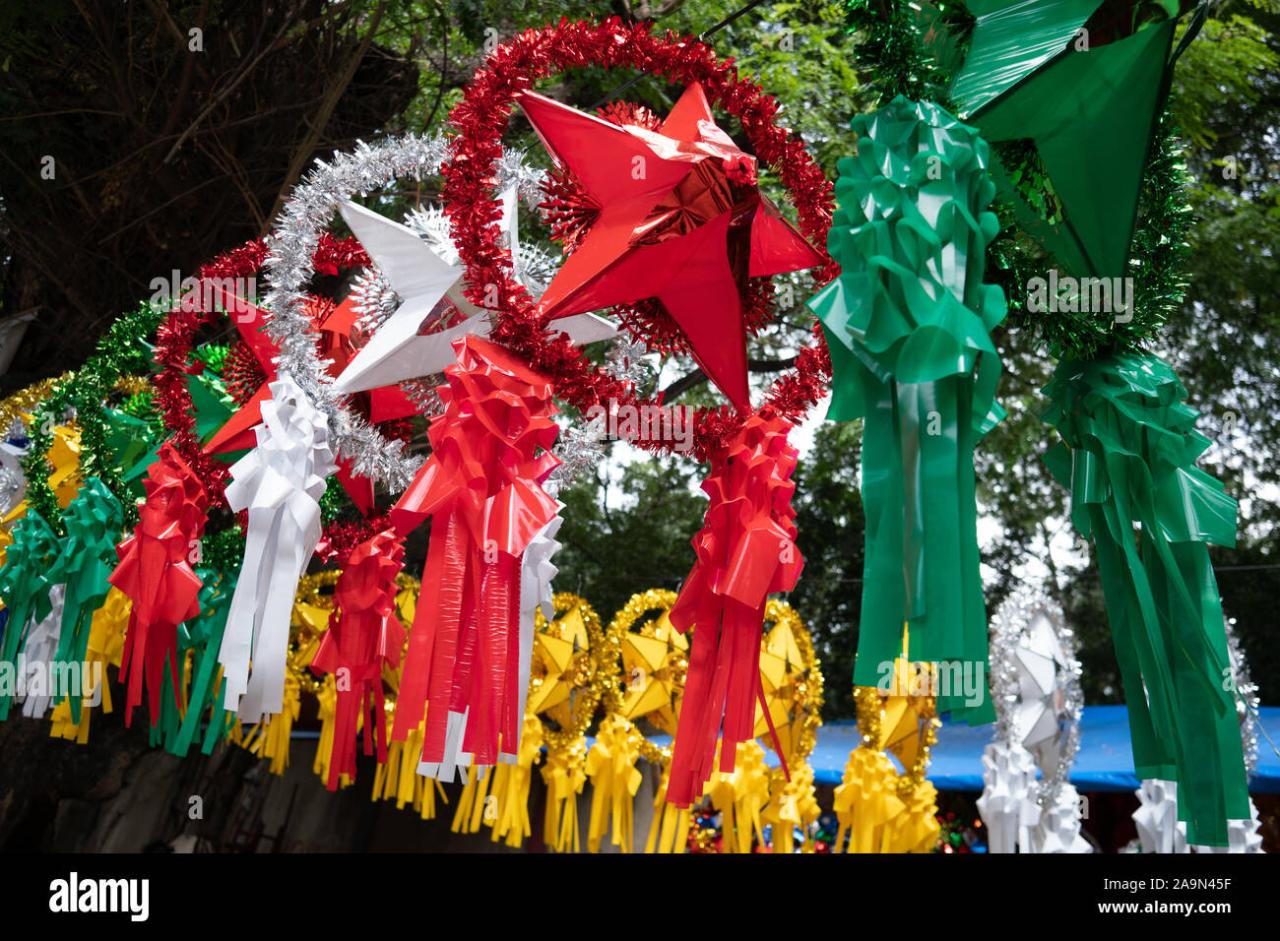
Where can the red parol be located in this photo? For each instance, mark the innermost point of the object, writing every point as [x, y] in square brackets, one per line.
[482, 488]
[364, 636]
[746, 550]
[155, 572]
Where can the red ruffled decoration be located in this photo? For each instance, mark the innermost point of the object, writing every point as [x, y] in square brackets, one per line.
[364, 636]
[481, 119]
[746, 550]
[482, 488]
[155, 572]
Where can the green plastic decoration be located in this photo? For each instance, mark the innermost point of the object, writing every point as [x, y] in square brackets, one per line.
[1085, 82]
[203, 636]
[1128, 456]
[24, 588]
[94, 522]
[908, 324]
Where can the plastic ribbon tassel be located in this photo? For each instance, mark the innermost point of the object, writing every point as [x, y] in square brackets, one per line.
[106, 645]
[1008, 802]
[916, 829]
[364, 636]
[793, 805]
[280, 483]
[1156, 819]
[156, 574]
[615, 779]
[866, 800]
[746, 549]
[498, 797]
[669, 830]
[482, 489]
[908, 324]
[1128, 454]
[1058, 830]
[565, 775]
[93, 522]
[42, 641]
[398, 779]
[24, 588]
[202, 636]
[741, 795]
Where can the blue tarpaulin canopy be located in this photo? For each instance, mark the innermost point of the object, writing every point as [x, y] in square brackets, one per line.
[1104, 762]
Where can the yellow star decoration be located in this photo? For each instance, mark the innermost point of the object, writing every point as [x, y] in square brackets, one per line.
[654, 661]
[880, 810]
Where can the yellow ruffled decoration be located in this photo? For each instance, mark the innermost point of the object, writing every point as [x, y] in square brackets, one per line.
[565, 776]
[399, 780]
[105, 647]
[792, 804]
[611, 768]
[916, 829]
[866, 801]
[740, 795]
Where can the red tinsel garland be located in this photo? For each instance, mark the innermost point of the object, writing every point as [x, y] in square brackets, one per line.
[177, 334]
[480, 120]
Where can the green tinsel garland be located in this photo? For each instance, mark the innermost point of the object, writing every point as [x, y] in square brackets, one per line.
[120, 353]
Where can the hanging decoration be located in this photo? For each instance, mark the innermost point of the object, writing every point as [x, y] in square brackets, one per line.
[480, 119]
[908, 324]
[1128, 453]
[1035, 681]
[482, 488]
[279, 483]
[25, 588]
[155, 572]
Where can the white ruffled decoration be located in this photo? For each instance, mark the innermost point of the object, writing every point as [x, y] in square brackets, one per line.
[280, 483]
[38, 652]
[1157, 817]
[1059, 828]
[1008, 802]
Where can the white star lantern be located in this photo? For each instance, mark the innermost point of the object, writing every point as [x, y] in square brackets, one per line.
[406, 346]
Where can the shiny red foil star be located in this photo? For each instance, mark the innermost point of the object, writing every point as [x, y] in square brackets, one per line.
[681, 219]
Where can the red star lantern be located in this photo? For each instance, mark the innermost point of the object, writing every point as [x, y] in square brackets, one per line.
[681, 220]
[335, 326]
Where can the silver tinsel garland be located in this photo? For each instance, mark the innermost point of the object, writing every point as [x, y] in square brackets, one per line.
[1009, 629]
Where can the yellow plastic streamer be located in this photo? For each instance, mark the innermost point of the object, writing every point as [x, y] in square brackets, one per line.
[564, 775]
[611, 768]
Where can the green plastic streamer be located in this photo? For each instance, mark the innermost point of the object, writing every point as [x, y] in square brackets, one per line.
[1128, 456]
[203, 636]
[908, 324]
[94, 520]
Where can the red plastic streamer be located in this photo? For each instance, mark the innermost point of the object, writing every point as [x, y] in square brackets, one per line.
[155, 572]
[364, 635]
[482, 489]
[746, 550]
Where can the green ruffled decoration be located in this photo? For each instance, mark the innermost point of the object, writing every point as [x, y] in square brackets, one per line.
[24, 588]
[908, 324]
[94, 521]
[1128, 456]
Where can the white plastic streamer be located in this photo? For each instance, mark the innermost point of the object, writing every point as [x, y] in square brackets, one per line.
[280, 483]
